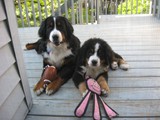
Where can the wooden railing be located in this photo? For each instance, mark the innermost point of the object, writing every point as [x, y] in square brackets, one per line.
[126, 6]
[156, 8]
[31, 13]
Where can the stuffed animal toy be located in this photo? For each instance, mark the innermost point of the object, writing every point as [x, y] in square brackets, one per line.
[95, 90]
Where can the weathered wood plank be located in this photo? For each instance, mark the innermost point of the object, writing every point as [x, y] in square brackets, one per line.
[115, 48]
[116, 94]
[123, 53]
[124, 108]
[125, 82]
[141, 19]
[119, 40]
[133, 65]
[10, 106]
[30, 117]
[144, 58]
[123, 43]
[115, 74]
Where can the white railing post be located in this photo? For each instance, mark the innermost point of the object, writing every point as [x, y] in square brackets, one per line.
[86, 7]
[150, 7]
[158, 14]
[72, 12]
[97, 11]
[80, 11]
[154, 7]
[66, 9]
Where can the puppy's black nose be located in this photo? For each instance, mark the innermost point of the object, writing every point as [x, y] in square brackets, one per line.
[94, 62]
[55, 38]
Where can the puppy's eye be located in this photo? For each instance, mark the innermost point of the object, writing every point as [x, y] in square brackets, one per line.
[90, 52]
[50, 24]
[59, 25]
[100, 52]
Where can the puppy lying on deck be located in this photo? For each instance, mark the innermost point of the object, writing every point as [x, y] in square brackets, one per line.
[58, 46]
[94, 59]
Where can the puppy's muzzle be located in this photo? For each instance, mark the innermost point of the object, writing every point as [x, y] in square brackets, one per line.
[56, 40]
[94, 62]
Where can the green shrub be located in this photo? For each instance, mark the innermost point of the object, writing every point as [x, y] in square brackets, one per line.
[140, 8]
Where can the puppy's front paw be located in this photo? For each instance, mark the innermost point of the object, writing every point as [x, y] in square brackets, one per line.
[104, 86]
[82, 88]
[39, 88]
[124, 66]
[84, 93]
[114, 65]
[54, 86]
[105, 93]
[49, 91]
[30, 46]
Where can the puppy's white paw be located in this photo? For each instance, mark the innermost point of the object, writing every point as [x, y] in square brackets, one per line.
[124, 66]
[114, 65]
[104, 93]
[24, 48]
[84, 93]
[49, 92]
[39, 91]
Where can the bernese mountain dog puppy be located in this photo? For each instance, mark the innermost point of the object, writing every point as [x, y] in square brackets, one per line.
[58, 46]
[94, 59]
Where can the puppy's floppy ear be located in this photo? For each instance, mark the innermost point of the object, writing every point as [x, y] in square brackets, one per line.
[81, 56]
[69, 27]
[109, 53]
[42, 30]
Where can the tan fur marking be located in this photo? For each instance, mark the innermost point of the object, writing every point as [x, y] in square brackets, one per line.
[31, 46]
[82, 87]
[103, 83]
[63, 38]
[38, 86]
[54, 86]
[121, 61]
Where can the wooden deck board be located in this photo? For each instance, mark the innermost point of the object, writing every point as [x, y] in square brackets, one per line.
[124, 108]
[134, 93]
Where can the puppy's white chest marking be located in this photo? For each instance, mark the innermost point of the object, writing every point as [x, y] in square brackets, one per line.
[56, 54]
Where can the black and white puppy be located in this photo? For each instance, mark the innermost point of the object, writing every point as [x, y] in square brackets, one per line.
[93, 60]
[58, 46]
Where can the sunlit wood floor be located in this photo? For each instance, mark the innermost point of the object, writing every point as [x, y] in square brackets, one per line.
[135, 94]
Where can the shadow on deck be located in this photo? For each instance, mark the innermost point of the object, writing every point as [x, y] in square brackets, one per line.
[135, 94]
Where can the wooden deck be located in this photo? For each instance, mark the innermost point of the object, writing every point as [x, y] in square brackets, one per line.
[135, 94]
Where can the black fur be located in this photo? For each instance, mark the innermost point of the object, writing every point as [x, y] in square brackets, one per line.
[65, 71]
[105, 53]
[47, 26]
